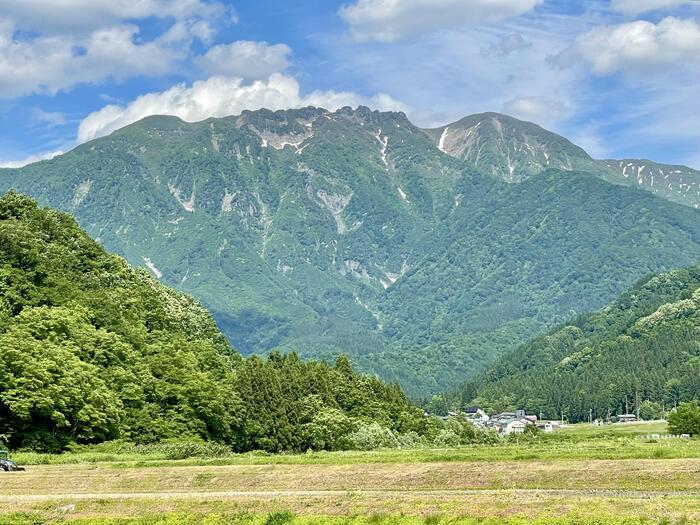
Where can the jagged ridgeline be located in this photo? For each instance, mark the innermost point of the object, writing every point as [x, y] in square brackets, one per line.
[420, 253]
[642, 352]
[92, 349]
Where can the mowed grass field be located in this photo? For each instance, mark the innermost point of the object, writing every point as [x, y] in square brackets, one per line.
[581, 475]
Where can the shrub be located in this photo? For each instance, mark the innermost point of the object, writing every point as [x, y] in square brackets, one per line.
[685, 420]
[279, 518]
[446, 438]
[371, 436]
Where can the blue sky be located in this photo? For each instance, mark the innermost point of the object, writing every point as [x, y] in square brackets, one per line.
[619, 77]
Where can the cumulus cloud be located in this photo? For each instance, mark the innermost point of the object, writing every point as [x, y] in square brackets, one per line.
[52, 45]
[47, 64]
[84, 15]
[542, 110]
[635, 7]
[389, 20]
[221, 96]
[636, 46]
[185, 31]
[245, 59]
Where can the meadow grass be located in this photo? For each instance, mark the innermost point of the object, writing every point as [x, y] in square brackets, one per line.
[581, 475]
[581, 441]
[288, 518]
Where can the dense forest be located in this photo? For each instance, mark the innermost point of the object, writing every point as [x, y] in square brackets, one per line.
[92, 349]
[639, 354]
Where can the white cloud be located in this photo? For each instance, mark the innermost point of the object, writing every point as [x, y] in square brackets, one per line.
[505, 45]
[638, 46]
[245, 59]
[389, 20]
[221, 96]
[51, 45]
[86, 15]
[185, 31]
[541, 110]
[29, 160]
[47, 64]
[446, 75]
[47, 118]
[635, 7]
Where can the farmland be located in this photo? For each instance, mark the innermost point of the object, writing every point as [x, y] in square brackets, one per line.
[608, 475]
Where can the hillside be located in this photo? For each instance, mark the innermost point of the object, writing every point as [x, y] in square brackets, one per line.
[92, 349]
[509, 148]
[354, 233]
[643, 348]
[514, 150]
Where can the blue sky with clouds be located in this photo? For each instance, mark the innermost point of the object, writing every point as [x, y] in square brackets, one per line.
[619, 77]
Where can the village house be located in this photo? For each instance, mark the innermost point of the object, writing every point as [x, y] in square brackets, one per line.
[475, 414]
[516, 426]
[626, 418]
[505, 423]
[548, 426]
[511, 422]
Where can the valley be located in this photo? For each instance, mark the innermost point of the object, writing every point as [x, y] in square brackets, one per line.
[420, 254]
[352, 262]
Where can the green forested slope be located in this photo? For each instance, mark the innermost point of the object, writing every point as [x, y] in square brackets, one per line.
[92, 349]
[353, 233]
[643, 348]
[521, 258]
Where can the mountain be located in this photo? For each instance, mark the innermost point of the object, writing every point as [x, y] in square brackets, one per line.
[643, 348]
[92, 349]
[511, 149]
[354, 232]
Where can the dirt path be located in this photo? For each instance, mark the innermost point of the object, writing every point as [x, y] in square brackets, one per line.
[233, 494]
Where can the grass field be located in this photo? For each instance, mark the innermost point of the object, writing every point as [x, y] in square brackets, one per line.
[581, 475]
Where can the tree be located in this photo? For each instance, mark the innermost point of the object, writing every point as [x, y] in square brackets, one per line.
[650, 410]
[685, 420]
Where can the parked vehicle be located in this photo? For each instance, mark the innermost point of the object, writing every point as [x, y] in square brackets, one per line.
[6, 464]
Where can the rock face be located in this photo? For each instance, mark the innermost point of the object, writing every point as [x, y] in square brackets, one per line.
[420, 253]
[509, 148]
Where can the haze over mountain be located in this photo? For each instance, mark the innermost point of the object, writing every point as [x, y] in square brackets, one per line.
[422, 254]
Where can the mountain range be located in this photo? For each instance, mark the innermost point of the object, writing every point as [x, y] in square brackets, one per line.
[421, 253]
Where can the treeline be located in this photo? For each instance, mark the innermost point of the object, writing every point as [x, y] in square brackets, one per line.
[641, 354]
[93, 350]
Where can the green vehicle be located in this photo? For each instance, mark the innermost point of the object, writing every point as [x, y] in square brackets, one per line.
[6, 464]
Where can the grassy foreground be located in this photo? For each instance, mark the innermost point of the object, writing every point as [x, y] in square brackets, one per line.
[582, 475]
[581, 441]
